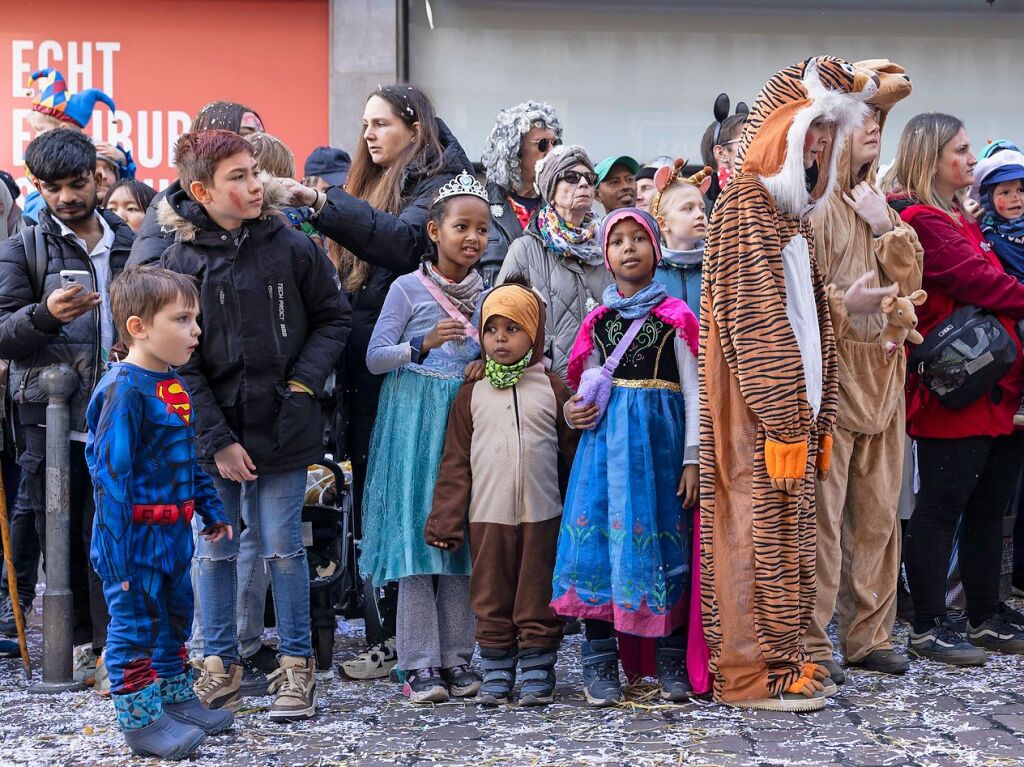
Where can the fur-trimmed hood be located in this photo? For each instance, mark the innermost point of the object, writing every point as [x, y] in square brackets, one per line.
[181, 216]
[773, 136]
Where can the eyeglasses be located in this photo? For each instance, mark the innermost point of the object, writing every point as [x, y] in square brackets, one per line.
[543, 144]
[574, 177]
[730, 143]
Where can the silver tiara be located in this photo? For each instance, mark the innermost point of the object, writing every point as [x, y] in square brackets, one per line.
[464, 183]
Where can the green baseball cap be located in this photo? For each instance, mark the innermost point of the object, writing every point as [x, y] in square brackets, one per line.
[604, 167]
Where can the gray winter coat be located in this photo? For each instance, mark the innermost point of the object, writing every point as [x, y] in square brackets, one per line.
[32, 338]
[570, 289]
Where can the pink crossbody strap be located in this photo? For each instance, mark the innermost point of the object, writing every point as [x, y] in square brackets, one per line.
[450, 309]
[620, 348]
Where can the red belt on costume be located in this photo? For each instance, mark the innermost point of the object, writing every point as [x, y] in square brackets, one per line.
[163, 513]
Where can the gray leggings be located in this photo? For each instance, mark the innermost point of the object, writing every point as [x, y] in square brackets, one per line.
[435, 626]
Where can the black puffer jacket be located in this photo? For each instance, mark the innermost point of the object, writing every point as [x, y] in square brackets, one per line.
[270, 313]
[32, 338]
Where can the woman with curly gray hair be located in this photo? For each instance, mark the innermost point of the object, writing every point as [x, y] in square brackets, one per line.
[522, 135]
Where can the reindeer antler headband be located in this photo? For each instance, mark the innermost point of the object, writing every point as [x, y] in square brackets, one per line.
[668, 175]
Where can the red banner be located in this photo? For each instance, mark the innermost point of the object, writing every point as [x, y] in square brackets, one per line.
[160, 61]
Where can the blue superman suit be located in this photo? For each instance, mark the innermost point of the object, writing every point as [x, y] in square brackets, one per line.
[147, 483]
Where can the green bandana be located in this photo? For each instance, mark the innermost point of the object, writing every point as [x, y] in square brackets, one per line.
[504, 376]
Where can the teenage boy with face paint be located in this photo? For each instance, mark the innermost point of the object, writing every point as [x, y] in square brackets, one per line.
[274, 325]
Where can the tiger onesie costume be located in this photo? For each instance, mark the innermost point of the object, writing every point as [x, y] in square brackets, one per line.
[768, 390]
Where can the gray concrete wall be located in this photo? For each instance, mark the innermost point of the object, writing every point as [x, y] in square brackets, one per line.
[362, 56]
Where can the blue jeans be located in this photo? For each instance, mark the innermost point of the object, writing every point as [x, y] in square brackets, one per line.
[272, 506]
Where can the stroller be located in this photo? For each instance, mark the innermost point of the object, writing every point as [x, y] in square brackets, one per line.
[334, 584]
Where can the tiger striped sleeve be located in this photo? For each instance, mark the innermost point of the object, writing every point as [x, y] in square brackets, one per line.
[744, 271]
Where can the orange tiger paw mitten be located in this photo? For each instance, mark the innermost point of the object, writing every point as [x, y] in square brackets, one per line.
[823, 462]
[785, 464]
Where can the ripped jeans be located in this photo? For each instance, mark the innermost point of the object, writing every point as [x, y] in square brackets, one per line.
[273, 503]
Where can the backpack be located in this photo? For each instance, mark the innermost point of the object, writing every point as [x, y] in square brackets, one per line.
[36, 258]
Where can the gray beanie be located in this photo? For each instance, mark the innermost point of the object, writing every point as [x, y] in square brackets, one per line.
[554, 163]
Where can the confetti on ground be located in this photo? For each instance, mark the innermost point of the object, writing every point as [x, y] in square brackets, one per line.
[933, 717]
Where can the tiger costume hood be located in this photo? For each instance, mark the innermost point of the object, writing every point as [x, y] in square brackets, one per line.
[773, 137]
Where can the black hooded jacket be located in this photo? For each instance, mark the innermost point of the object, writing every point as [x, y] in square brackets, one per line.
[270, 314]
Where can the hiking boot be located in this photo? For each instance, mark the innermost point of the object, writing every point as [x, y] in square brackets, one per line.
[217, 688]
[670, 660]
[180, 703]
[600, 662]
[499, 667]
[8, 626]
[997, 634]
[148, 731]
[462, 681]
[84, 659]
[538, 676]
[425, 685]
[294, 684]
[944, 644]
[885, 661]
[376, 662]
[805, 694]
[255, 669]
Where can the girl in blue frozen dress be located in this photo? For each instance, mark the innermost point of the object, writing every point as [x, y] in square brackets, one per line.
[624, 547]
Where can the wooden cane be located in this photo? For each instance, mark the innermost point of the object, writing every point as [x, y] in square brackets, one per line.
[12, 584]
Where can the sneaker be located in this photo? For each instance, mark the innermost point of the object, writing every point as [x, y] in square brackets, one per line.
[997, 634]
[600, 662]
[101, 685]
[884, 661]
[255, 669]
[942, 643]
[294, 683]
[462, 681]
[376, 662]
[425, 685]
[84, 659]
[805, 694]
[8, 626]
[217, 687]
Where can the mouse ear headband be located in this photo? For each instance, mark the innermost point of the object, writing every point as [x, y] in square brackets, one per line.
[721, 111]
[667, 175]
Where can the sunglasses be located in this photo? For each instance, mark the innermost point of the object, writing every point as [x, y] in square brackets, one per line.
[574, 177]
[543, 144]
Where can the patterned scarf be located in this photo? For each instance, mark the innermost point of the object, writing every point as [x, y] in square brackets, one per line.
[638, 304]
[504, 376]
[463, 294]
[579, 242]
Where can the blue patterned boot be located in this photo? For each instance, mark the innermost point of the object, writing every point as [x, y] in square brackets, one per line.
[181, 703]
[148, 732]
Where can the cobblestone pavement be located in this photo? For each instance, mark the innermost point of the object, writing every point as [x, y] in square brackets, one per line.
[933, 716]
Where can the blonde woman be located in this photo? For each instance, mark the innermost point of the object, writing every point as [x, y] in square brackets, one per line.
[969, 459]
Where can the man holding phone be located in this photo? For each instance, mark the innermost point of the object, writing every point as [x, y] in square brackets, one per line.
[54, 308]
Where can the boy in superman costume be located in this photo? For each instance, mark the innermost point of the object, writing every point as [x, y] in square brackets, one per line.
[148, 484]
